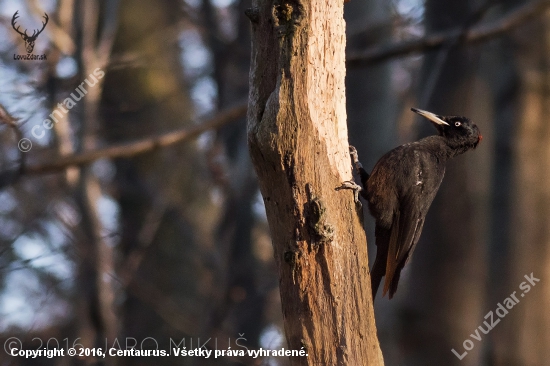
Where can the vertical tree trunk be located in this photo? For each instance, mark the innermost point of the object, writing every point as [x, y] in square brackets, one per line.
[96, 250]
[298, 142]
[240, 269]
[524, 337]
[449, 268]
[164, 205]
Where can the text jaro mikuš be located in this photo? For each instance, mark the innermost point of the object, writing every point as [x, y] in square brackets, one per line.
[501, 311]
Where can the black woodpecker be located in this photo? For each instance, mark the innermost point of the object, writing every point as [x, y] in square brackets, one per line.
[401, 188]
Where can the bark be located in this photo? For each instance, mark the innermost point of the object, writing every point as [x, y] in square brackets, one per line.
[298, 143]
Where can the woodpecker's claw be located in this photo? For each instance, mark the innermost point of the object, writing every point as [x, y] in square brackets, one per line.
[353, 153]
[355, 158]
[349, 184]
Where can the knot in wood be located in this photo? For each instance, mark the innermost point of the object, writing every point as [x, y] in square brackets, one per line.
[287, 14]
[322, 231]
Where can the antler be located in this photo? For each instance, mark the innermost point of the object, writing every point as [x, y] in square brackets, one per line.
[15, 16]
[43, 25]
[34, 34]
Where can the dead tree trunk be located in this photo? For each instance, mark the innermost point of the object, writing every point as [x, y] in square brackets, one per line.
[298, 142]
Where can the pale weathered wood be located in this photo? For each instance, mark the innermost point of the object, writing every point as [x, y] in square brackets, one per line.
[298, 142]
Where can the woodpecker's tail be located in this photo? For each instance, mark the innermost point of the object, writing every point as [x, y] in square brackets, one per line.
[379, 267]
[376, 274]
[395, 282]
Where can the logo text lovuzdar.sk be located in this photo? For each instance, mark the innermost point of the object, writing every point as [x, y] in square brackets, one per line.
[29, 39]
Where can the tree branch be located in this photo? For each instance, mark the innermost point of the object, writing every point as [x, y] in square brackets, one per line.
[137, 147]
[478, 33]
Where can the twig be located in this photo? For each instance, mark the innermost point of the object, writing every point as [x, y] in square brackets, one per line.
[9, 176]
[137, 147]
[478, 33]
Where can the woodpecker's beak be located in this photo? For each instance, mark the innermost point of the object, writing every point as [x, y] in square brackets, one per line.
[429, 115]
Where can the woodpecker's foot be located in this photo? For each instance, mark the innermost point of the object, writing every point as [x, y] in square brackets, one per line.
[353, 153]
[349, 184]
[355, 157]
[363, 175]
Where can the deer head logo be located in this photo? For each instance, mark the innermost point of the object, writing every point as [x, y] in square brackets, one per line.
[29, 40]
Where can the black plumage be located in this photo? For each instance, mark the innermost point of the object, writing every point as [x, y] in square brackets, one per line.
[401, 188]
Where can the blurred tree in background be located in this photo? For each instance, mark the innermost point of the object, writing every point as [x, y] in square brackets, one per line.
[165, 240]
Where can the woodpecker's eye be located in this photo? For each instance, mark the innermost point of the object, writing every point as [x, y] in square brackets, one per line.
[457, 124]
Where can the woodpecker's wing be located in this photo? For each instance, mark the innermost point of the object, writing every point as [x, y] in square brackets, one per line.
[400, 190]
[405, 232]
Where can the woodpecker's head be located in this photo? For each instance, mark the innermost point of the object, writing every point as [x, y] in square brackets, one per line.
[459, 130]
